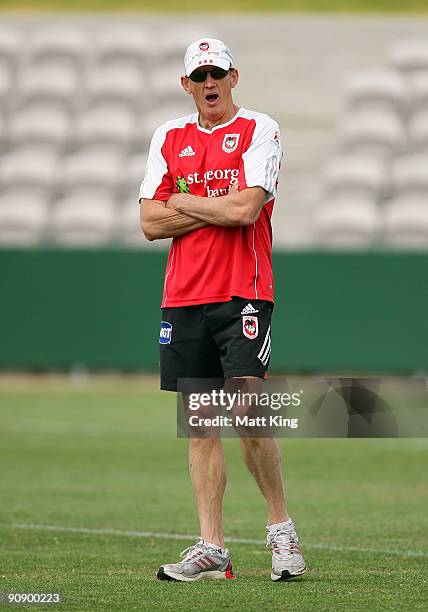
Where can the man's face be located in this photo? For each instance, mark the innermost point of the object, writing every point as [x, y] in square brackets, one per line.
[213, 97]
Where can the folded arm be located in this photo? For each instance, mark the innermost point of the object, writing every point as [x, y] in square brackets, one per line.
[157, 221]
[234, 209]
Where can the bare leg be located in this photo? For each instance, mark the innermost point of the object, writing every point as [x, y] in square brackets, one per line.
[263, 459]
[207, 468]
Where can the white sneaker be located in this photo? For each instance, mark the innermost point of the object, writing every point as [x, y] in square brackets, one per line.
[199, 562]
[287, 560]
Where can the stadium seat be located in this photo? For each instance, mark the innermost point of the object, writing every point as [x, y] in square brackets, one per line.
[11, 44]
[165, 83]
[83, 219]
[28, 167]
[370, 131]
[361, 175]
[23, 218]
[105, 125]
[174, 43]
[93, 168]
[128, 229]
[406, 222]
[133, 173]
[57, 42]
[48, 82]
[5, 84]
[418, 88]
[410, 174]
[377, 89]
[130, 44]
[347, 222]
[115, 84]
[152, 120]
[418, 131]
[39, 125]
[409, 56]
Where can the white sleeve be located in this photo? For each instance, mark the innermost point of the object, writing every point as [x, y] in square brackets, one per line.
[262, 160]
[157, 181]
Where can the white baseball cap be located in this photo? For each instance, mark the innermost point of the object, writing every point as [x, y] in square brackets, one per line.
[207, 51]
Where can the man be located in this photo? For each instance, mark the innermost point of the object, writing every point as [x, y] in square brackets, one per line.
[210, 184]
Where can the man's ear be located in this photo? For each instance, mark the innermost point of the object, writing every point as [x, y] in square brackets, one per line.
[185, 84]
[235, 77]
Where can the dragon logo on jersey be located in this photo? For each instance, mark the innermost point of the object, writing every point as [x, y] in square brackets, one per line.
[230, 142]
[250, 327]
[182, 185]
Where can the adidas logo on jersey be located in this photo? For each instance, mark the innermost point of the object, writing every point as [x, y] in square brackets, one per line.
[249, 309]
[187, 152]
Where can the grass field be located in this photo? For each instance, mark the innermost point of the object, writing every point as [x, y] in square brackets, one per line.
[87, 471]
[296, 6]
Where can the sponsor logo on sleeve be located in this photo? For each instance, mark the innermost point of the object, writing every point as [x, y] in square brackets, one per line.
[182, 185]
[165, 335]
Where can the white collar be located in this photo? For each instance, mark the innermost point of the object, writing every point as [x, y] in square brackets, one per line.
[221, 125]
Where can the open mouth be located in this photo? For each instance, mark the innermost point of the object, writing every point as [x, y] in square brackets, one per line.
[211, 97]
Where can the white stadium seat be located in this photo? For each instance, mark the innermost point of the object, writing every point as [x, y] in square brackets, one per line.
[406, 222]
[57, 42]
[115, 83]
[347, 222]
[105, 125]
[377, 88]
[409, 56]
[173, 43]
[23, 218]
[5, 83]
[410, 174]
[90, 169]
[358, 174]
[418, 131]
[128, 229]
[418, 88]
[165, 84]
[122, 43]
[152, 120]
[28, 167]
[48, 82]
[370, 131]
[83, 219]
[39, 125]
[134, 168]
[11, 44]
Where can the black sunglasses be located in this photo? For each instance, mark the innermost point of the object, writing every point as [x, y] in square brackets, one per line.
[199, 76]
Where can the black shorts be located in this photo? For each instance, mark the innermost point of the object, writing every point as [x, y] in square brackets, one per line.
[217, 340]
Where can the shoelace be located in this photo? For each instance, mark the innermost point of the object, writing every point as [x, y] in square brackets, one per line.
[193, 553]
[284, 544]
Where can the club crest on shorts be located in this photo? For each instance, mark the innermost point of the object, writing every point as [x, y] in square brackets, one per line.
[165, 335]
[230, 142]
[250, 327]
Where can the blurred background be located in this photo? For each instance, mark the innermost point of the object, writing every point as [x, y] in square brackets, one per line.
[90, 464]
[81, 95]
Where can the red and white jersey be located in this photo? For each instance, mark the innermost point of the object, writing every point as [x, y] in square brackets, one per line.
[213, 264]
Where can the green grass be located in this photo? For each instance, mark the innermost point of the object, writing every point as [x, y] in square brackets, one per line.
[296, 6]
[106, 456]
